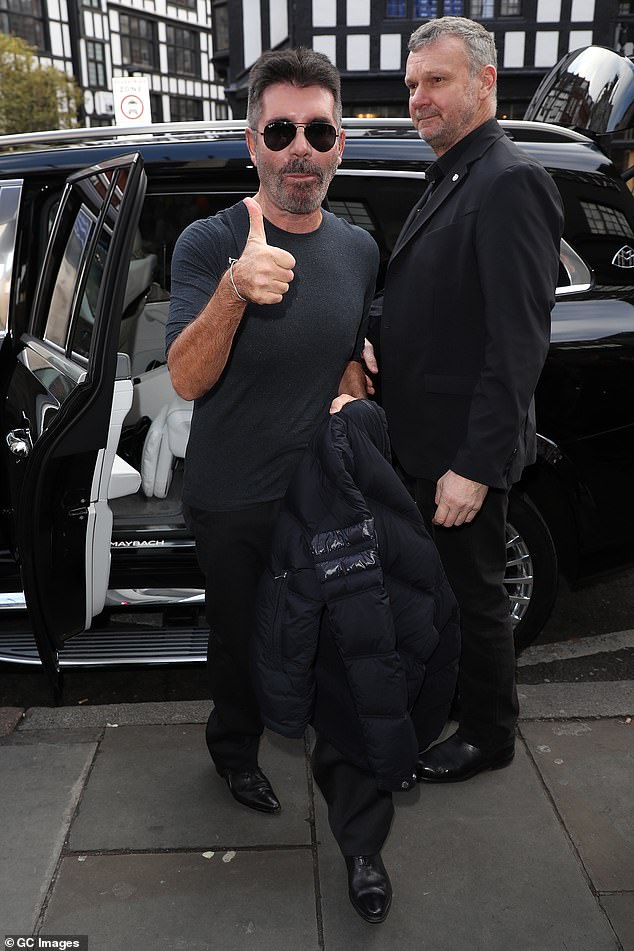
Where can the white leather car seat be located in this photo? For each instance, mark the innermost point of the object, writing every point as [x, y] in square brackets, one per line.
[165, 442]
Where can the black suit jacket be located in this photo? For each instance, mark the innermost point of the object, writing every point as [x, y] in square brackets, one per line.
[466, 315]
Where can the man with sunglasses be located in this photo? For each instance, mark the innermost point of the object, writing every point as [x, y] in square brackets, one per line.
[266, 327]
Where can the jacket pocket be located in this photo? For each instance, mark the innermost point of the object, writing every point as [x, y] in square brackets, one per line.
[280, 587]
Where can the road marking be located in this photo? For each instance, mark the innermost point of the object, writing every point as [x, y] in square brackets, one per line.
[580, 647]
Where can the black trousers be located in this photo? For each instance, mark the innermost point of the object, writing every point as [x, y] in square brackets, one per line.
[359, 813]
[233, 550]
[474, 559]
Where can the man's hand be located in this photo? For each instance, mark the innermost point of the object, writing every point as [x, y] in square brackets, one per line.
[263, 273]
[458, 500]
[369, 359]
[340, 401]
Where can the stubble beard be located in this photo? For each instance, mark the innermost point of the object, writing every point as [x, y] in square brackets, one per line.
[448, 134]
[299, 198]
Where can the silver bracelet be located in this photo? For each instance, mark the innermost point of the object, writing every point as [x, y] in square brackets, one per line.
[233, 261]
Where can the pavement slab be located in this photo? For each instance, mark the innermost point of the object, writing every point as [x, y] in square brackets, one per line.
[41, 784]
[620, 911]
[564, 701]
[483, 865]
[263, 900]
[588, 767]
[155, 787]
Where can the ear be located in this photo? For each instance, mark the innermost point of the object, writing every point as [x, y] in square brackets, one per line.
[250, 137]
[488, 77]
[342, 140]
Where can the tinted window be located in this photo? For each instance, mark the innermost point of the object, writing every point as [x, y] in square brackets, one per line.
[60, 309]
[85, 316]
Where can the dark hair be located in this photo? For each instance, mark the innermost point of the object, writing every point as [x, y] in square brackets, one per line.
[479, 43]
[299, 67]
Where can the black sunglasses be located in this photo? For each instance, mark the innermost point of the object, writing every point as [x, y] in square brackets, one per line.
[278, 135]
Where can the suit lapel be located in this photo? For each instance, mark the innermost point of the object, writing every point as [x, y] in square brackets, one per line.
[452, 180]
[419, 216]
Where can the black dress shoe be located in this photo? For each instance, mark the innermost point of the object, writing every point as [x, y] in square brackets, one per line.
[454, 760]
[369, 887]
[251, 788]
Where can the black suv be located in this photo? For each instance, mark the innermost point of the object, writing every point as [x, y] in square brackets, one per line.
[92, 542]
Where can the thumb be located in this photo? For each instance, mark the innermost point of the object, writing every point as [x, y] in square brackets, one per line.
[256, 221]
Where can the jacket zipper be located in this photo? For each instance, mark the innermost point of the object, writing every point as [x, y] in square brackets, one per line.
[281, 582]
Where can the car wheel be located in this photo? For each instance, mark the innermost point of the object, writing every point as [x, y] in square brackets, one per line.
[531, 570]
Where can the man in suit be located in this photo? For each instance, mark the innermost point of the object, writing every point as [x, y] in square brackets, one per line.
[464, 335]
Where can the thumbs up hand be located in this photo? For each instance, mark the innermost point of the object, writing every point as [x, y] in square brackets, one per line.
[262, 273]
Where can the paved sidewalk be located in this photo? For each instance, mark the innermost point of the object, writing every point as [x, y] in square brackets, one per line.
[116, 826]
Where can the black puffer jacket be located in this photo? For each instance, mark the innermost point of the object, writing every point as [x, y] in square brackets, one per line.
[357, 625]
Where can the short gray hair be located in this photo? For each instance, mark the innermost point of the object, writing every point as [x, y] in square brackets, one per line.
[299, 67]
[478, 42]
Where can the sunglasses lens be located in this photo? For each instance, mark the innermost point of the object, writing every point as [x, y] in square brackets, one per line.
[278, 135]
[321, 135]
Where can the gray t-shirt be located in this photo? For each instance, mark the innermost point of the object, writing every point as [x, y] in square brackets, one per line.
[287, 359]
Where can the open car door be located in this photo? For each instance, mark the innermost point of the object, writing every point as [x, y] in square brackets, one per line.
[66, 399]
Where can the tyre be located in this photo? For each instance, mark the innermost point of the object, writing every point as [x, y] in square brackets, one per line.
[531, 570]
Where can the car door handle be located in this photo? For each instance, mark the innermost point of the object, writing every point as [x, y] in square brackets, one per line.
[19, 442]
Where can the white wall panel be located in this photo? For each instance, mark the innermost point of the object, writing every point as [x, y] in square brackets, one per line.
[251, 30]
[57, 44]
[115, 48]
[582, 10]
[358, 52]
[548, 11]
[546, 47]
[278, 20]
[358, 12]
[324, 12]
[390, 51]
[514, 43]
[579, 38]
[326, 43]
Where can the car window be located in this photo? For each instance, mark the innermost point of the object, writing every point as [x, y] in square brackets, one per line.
[84, 323]
[9, 207]
[378, 203]
[60, 309]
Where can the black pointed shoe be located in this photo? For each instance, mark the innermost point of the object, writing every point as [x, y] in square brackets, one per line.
[369, 886]
[455, 760]
[251, 788]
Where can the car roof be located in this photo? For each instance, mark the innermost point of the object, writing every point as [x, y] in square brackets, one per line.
[366, 140]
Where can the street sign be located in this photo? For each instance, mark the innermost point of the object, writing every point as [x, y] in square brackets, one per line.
[132, 100]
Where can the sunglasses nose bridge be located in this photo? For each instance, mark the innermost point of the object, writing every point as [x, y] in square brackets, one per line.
[297, 144]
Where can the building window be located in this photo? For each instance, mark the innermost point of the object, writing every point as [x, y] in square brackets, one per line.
[425, 9]
[222, 110]
[481, 9]
[25, 20]
[220, 14]
[95, 4]
[188, 4]
[453, 8]
[183, 51]
[156, 107]
[96, 57]
[604, 219]
[184, 109]
[395, 8]
[139, 45]
[626, 9]
[510, 8]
